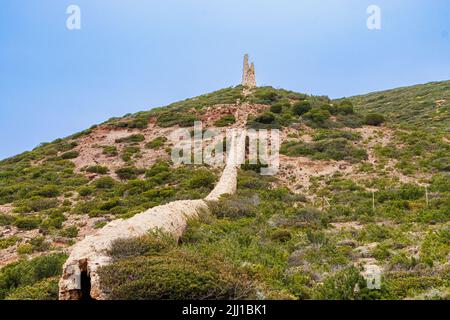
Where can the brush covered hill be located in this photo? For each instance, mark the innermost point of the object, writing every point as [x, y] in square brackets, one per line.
[363, 185]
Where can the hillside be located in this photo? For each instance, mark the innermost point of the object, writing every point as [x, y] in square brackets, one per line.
[426, 106]
[356, 192]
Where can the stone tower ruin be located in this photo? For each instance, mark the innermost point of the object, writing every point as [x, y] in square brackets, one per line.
[248, 75]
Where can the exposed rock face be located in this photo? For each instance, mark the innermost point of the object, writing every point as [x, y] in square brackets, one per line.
[80, 275]
[248, 75]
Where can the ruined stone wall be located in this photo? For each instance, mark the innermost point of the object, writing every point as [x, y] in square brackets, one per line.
[248, 74]
[91, 253]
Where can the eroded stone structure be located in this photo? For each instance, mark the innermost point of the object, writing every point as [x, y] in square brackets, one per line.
[248, 74]
[80, 279]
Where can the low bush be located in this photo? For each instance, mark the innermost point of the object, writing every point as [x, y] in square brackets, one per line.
[156, 143]
[235, 206]
[346, 284]
[317, 116]
[70, 155]
[345, 107]
[266, 118]
[134, 138]
[6, 219]
[104, 183]
[128, 173]
[27, 223]
[97, 169]
[436, 247]
[225, 121]
[110, 151]
[46, 289]
[201, 178]
[281, 235]
[279, 107]
[300, 108]
[49, 191]
[129, 152]
[151, 244]
[178, 274]
[8, 242]
[69, 232]
[27, 273]
[374, 119]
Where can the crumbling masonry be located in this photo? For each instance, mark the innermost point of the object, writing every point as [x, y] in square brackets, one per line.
[248, 75]
[80, 279]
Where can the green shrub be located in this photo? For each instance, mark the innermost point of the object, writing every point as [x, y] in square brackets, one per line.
[8, 242]
[129, 152]
[235, 206]
[110, 151]
[70, 232]
[374, 233]
[171, 118]
[226, 120]
[436, 247]
[27, 223]
[342, 285]
[55, 220]
[27, 273]
[300, 108]
[97, 169]
[201, 178]
[345, 107]
[46, 289]
[336, 134]
[317, 116]
[266, 118]
[266, 95]
[303, 217]
[151, 244]
[70, 155]
[156, 143]
[281, 235]
[49, 191]
[25, 248]
[6, 219]
[37, 204]
[85, 191]
[178, 274]
[374, 119]
[158, 168]
[277, 107]
[39, 244]
[128, 173]
[104, 183]
[134, 138]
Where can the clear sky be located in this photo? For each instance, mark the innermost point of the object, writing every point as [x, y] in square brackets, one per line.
[137, 54]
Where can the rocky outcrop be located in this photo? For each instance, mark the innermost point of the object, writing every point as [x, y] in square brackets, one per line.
[80, 278]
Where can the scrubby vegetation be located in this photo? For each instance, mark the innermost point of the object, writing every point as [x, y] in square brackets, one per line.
[226, 120]
[175, 273]
[265, 241]
[32, 280]
[156, 143]
[423, 106]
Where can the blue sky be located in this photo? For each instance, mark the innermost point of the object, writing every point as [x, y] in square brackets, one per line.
[133, 55]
